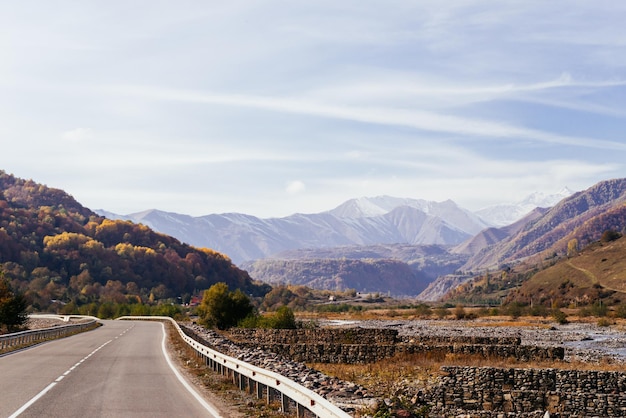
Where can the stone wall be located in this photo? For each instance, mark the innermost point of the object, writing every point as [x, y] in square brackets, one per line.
[315, 335]
[487, 391]
[368, 345]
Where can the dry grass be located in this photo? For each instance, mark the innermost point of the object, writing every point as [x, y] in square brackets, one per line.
[423, 370]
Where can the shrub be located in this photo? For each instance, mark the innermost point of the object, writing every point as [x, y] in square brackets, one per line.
[610, 235]
[222, 308]
[423, 311]
[620, 311]
[459, 312]
[559, 316]
[441, 312]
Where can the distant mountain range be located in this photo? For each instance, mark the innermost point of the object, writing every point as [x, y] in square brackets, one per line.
[363, 221]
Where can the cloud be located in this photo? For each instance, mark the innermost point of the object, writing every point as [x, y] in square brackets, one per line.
[77, 135]
[294, 187]
[413, 118]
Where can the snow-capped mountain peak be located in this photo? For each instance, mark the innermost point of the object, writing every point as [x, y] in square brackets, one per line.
[543, 200]
[508, 213]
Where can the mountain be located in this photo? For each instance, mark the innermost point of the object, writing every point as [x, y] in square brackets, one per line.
[490, 236]
[364, 221]
[546, 233]
[577, 221]
[368, 275]
[506, 214]
[54, 250]
[399, 269]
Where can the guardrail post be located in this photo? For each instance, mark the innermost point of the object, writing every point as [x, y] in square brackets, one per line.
[300, 411]
[284, 402]
[270, 395]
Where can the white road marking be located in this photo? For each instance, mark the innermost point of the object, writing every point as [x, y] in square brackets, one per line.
[58, 379]
[214, 413]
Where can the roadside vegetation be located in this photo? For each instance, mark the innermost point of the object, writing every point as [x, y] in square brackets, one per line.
[12, 307]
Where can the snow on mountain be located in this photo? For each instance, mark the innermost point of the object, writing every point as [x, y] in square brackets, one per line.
[506, 214]
[364, 221]
[367, 207]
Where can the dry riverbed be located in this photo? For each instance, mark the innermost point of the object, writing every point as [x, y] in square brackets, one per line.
[583, 341]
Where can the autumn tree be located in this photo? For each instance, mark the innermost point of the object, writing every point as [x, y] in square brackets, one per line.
[12, 306]
[572, 248]
[223, 308]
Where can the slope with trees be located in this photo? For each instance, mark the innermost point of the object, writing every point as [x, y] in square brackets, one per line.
[55, 252]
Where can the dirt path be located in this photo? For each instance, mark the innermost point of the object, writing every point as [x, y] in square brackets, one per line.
[592, 277]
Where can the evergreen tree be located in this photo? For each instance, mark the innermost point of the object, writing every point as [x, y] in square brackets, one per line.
[12, 306]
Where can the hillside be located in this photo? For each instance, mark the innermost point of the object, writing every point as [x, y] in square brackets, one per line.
[542, 237]
[54, 249]
[596, 273]
[490, 236]
[548, 233]
[384, 276]
[399, 269]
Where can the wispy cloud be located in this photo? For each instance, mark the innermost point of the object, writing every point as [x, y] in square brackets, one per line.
[418, 119]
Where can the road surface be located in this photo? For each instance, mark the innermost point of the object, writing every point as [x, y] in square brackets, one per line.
[117, 370]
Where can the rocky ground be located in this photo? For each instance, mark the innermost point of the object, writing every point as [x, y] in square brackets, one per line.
[346, 395]
[586, 342]
[583, 342]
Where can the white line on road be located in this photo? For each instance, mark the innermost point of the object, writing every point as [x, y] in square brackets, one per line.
[58, 379]
[214, 413]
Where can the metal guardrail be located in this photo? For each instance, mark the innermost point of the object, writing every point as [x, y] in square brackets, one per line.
[264, 383]
[24, 338]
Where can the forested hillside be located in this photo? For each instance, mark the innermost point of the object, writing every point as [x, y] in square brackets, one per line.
[55, 251]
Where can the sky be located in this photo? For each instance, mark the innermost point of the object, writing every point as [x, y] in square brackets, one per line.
[275, 107]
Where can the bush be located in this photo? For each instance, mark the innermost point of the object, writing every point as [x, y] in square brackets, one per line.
[459, 312]
[559, 316]
[423, 311]
[283, 318]
[514, 309]
[620, 311]
[539, 310]
[222, 308]
[441, 312]
[610, 235]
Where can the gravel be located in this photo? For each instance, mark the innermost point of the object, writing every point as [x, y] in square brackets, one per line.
[346, 395]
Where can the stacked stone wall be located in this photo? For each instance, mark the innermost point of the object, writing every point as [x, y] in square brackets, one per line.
[368, 345]
[487, 391]
[316, 335]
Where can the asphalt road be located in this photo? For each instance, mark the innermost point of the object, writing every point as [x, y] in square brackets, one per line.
[117, 370]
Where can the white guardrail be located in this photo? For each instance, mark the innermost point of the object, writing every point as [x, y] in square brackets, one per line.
[25, 338]
[264, 383]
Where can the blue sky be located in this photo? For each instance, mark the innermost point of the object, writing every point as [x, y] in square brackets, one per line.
[276, 107]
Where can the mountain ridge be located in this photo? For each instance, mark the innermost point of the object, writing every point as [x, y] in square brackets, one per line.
[358, 221]
[363, 221]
